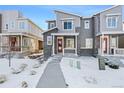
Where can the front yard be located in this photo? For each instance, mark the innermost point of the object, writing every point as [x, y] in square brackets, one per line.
[88, 75]
[15, 80]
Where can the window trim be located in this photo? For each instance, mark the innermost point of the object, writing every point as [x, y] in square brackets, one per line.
[49, 38]
[52, 24]
[90, 44]
[67, 21]
[71, 39]
[85, 26]
[20, 25]
[111, 21]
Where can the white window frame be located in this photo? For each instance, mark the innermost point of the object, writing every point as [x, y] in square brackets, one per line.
[49, 40]
[111, 17]
[52, 25]
[89, 43]
[21, 25]
[71, 41]
[86, 25]
[67, 21]
[114, 42]
[12, 24]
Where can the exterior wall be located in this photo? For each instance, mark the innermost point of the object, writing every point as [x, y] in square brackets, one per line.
[0, 23]
[96, 29]
[53, 22]
[115, 10]
[48, 48]
[60, 16]
[13, 18]
[85, 33]
[86, 52]
[96, 23]
[8, 17]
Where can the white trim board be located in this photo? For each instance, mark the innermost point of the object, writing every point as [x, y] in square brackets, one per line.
[65, 34]
[110, 32]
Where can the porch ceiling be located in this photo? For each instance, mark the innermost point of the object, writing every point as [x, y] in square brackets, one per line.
[110, 33]
[65, 34]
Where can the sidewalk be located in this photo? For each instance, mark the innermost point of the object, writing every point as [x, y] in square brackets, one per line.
[52, 76]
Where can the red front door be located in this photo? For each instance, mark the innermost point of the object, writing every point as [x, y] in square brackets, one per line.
[105, 45]
[60, 48]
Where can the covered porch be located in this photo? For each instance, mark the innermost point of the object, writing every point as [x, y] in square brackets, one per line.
[64, 43]
[17, 42]
[110, 44]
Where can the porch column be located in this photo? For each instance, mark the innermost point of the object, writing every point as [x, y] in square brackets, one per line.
[53, 48]
[102, 44]
[75, 45]
[117, 41]
[21, 44]
[1, 44]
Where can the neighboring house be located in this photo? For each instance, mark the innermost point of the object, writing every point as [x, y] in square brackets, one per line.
[19, 34]
[100, 34]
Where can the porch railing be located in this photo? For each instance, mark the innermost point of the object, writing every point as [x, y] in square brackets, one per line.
[119, 51]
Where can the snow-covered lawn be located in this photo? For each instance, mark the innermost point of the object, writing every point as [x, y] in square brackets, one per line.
[89, 75]
[15, 80]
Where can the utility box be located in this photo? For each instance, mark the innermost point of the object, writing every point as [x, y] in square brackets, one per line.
[101, 63]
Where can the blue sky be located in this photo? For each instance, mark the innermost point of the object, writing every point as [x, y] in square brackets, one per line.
[40, 13]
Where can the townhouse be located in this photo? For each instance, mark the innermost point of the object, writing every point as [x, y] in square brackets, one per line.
[18, 33]
[99, 34]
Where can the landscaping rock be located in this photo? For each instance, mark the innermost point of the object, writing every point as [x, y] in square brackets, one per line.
[33, 72]
[23, 66]
[24, 84]
[2, 78]
[36, 65]
[16, 71]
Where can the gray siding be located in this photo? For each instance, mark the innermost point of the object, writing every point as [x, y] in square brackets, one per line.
[115, 10]
[0, 23]
[61, 16]
[53, 22]
[85, 33]
[96, 29]
[48, 48]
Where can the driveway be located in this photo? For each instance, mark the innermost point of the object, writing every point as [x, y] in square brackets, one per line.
[52, 76]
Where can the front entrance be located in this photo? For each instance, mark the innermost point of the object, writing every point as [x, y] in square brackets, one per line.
[59, 44]
[105, 44]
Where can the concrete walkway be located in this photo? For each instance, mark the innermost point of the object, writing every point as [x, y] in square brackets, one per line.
[52, 76]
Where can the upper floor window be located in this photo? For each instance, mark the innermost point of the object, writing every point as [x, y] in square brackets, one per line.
[12, 24]
[52, 25]
[21, 25]
[67, 25]
[112, 22]
[86, 24]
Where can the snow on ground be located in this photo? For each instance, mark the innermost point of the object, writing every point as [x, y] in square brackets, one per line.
[89, 75]
[14, 80]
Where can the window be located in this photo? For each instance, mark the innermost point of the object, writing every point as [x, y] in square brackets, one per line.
[12, 24]
[112, 22]
[52, 25]
[49, 40]
[21, 25]
[6, 26]
[86, 24]
[89, 43]
[25, 42]
[113, 42]
[68, 25]
[69, 43]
